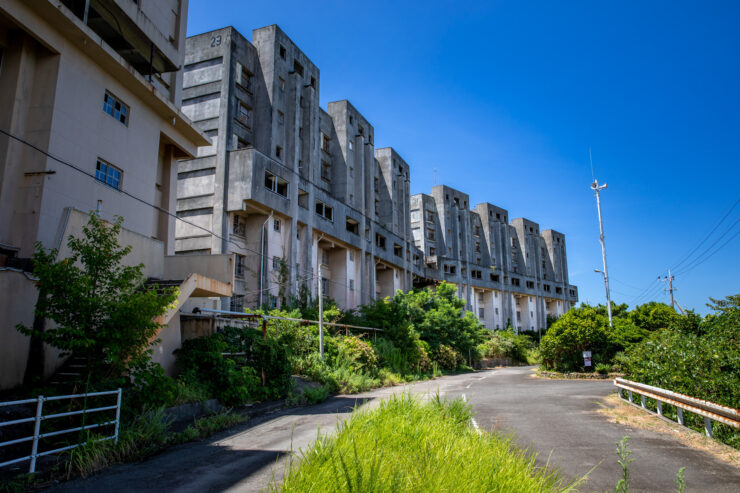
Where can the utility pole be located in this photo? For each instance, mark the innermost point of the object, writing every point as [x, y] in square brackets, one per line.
[598, 188]
[669, 279]
[321, 317]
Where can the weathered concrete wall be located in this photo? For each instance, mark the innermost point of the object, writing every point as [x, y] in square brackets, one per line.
[17, 305]
[340, 189]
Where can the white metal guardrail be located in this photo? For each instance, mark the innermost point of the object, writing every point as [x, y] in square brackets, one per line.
[40, 417]
[708, 410]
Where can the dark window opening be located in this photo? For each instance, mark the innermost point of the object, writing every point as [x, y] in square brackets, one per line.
[276, 184]
[297, 68]
[380, 241]
[325, 211]
[353, 226]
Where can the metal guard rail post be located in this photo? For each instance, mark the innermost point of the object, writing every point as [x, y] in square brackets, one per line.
[39, 417]
[708, 410]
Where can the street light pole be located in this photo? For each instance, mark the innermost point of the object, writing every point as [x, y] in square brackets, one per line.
[598, 188]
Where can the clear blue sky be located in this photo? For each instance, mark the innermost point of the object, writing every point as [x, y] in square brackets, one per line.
[505, 98]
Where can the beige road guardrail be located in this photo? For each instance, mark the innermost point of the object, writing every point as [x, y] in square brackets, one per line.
[708, 410]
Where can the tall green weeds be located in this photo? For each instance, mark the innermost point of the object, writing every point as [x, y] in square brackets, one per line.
[405, 445]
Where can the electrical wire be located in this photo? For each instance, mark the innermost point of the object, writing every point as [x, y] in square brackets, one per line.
[697, 264]
[676, 266]
[130, 195]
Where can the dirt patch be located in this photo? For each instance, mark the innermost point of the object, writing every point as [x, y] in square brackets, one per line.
[618, 411]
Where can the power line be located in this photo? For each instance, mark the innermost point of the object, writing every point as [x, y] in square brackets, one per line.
[128, 194]
[626, 285]
[650, 287]
[675, 267]
[692, 267]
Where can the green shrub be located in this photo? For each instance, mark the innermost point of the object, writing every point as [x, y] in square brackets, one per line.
[189, 388]
[447, 358]
[507, 344]
[580, 329]
[359, 354]
[230, 384]
[150, 388]
[702, 363]
[603, 369]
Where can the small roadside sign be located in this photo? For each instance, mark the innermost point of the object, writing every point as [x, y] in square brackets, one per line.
[587, 358]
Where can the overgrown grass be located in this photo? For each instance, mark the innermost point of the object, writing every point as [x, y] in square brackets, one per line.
[146, 435]
[207, 426]
[405, 445]
[309, 397]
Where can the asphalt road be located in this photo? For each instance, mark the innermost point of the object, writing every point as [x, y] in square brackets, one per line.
[555, 418]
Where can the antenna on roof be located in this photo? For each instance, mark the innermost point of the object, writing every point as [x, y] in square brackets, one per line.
[593, 178]
[435, 176]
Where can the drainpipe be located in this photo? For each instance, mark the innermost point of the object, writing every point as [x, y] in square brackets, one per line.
[262, 256]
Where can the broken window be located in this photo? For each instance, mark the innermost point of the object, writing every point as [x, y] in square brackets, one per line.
[353, 226]
[326, 171]
[115, 108]
[282, 51]
[380, 241]
[276, 184]
[240, 226]
[243, 114]
[325, 211]
[325, 142]
[240, 266]
[302, 198]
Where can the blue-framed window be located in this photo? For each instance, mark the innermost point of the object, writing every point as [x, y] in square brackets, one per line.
[115, 108]
[108, 174]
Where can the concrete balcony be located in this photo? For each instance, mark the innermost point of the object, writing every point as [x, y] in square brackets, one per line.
[256, 178]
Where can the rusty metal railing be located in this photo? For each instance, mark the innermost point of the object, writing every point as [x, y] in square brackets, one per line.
[708, 410]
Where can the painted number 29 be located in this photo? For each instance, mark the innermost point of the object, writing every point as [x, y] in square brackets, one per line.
[216, 41]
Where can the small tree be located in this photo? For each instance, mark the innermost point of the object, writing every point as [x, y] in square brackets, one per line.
[102, 309]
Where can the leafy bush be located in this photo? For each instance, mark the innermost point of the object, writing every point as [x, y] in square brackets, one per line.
[434, 316]
[230, 384]
[150, 388]
[507, 344]
[447, 358]
[603, 368]
[580, 329]
[102, 309]
[704, 364]
[359, 354]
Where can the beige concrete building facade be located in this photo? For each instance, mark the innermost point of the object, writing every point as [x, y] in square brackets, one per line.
[90, 93]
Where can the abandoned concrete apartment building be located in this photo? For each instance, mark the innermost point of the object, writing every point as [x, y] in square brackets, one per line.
[90, 95]
[291, 189]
